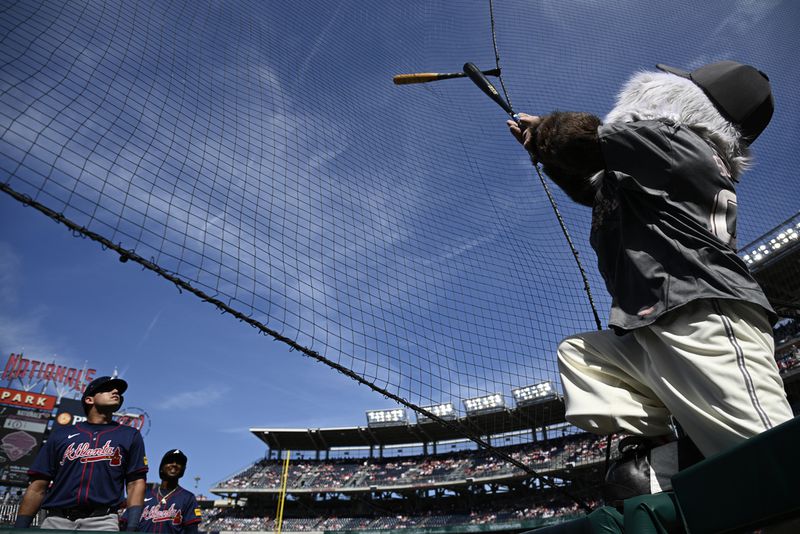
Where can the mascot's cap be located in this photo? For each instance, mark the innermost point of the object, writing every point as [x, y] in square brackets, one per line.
[740, 92]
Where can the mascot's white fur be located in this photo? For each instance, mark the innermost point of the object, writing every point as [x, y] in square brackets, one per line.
[566, 143]
[663, 96]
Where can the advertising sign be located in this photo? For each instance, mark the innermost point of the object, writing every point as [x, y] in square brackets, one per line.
[21, 368]
[21, 433]
[27, 399]
[70, 412]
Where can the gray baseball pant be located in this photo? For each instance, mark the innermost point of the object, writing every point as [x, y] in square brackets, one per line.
[710, 364]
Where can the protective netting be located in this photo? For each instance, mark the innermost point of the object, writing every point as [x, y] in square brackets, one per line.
[259, 153]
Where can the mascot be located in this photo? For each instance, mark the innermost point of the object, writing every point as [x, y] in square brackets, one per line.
[690, 348]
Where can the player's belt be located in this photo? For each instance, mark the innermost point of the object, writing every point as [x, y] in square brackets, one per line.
[81, 512]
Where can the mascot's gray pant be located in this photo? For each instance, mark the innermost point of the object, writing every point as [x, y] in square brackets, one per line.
[710, 364]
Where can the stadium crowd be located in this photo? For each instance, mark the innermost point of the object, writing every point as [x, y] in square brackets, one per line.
[419, 471]
[787, 343]
[789, 358]
[262, 520]
[787, 331]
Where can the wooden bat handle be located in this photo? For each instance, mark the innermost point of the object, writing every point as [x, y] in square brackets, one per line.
[422, 77]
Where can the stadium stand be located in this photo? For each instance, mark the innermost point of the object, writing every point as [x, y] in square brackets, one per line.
[334, 518]
[8, 507]
[417, 471]
[431, 491]
[787, 355]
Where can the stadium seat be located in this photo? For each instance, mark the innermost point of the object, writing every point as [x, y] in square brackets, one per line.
[641, 515]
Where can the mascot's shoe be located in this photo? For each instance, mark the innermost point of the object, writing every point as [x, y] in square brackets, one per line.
[646, 465]
[631, 473]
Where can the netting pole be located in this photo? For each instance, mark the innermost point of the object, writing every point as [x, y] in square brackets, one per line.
[282, 494]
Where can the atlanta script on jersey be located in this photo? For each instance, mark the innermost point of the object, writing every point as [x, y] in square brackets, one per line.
[168, 513]
[89, 464]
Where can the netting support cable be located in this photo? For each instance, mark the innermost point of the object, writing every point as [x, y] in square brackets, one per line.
[586, 286]
[497, 54]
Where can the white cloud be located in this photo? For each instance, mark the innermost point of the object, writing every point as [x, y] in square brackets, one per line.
[9, 269]
[149, 329]
[740, 20]
[23, 335]
[19, 332]
[193, 399]
[318, 43]
[237, 430]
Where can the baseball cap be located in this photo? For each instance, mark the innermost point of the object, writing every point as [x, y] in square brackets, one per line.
[104, 383]
[740, 92]
[175, 455]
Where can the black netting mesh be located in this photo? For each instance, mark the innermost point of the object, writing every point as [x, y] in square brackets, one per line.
[259, 152]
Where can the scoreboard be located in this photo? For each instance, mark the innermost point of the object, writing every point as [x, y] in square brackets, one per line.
[22, 432]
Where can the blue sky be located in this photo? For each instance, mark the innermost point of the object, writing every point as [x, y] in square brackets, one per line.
[203, 378]
[287, 174]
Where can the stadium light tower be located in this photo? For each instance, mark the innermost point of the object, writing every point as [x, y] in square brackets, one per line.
[392, 417]
[772, 244]
[444, 411]
[534, 394]
[485, 404]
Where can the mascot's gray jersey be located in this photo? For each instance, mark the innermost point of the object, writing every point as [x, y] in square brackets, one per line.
[664, 223]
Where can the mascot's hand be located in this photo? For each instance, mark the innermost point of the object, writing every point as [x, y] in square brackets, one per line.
[567, 145]
[524, 131]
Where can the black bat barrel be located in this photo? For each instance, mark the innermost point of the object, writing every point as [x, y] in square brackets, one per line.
[486, 86]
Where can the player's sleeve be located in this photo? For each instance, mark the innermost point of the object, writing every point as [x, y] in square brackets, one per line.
[192, 514]
[639, 155]
[137, 459]
[45, 464]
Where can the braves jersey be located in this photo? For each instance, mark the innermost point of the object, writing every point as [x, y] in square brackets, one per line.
[89, 464]
[168, 512]
[664, 223]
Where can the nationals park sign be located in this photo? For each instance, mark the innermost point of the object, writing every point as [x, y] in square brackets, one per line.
[26, 399]
[23, 369]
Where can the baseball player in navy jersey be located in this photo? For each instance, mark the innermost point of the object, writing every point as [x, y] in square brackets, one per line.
[691, 335]
[168, 507]
[82, 471]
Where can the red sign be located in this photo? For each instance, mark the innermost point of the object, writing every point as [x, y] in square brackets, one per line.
[27, 399]
[129, 419]
[24, 368]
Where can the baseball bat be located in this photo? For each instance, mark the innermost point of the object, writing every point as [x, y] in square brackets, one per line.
[486, 86]
[424, 77]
